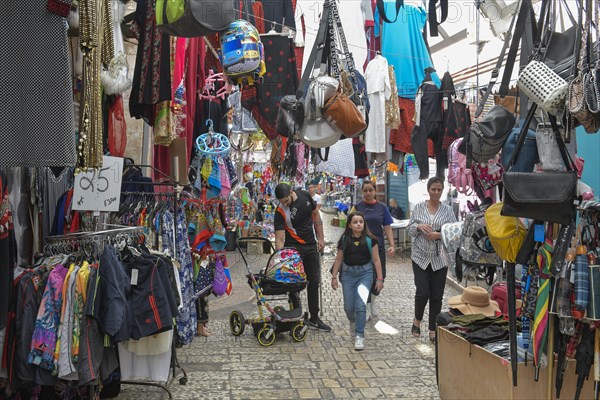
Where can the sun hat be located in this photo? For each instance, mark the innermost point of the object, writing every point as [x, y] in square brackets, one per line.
[474, 300]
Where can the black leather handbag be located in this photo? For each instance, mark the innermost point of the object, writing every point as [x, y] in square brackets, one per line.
[543, 196]
[486, 137]
[290, 116]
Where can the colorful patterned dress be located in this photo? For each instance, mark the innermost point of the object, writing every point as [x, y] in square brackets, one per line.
[186, 320]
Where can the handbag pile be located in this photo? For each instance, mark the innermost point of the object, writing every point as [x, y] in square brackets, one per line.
[332, 100]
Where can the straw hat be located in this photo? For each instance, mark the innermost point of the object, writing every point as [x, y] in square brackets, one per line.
[474, 300]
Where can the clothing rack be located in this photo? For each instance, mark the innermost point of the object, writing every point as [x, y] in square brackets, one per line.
[173, 184]
[96, 238]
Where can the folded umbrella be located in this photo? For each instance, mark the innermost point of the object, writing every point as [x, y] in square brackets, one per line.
[584, 357]
[540, 320]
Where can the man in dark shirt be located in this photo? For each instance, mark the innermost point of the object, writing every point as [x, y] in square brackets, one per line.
[295, 218]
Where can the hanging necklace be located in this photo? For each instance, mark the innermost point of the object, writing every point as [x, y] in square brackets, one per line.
[356, 240]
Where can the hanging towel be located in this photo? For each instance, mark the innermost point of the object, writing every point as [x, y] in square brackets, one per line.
[225, 182]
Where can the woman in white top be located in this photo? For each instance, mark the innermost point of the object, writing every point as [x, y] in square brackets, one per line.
[428, 260]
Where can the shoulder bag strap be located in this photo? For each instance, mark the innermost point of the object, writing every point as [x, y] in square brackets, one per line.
[496, 70]
[316, 54]
[525, 12]
[381, 9]
[326, 157]
[340, 31]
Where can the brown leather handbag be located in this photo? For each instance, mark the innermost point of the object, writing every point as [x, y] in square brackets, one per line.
[344, 116]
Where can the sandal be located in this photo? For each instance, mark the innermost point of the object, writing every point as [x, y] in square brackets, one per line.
[416, 331]
[432, 338]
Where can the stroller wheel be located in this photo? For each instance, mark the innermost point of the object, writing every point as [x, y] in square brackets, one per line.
[299, 332]
[266, 336]
[237, 323]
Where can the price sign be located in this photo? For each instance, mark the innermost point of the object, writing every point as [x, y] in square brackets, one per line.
[99, 189]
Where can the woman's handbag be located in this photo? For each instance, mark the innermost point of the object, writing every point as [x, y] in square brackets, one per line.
[343, 115]
[544, 196]
[290, 116]
[486, 137]
[529, 154]
[320, 90]
[198, 17]
[506, 233]
[548, 150]
[582, 89]
[544, 87]
[488, 175]
[318, 134]
[475, 247]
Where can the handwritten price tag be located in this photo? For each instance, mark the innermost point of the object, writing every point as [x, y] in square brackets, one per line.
[99, 189]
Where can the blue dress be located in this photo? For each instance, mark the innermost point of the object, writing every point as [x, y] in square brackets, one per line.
[186, 320]
[403, 45]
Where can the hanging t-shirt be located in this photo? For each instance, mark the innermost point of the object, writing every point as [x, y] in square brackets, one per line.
[378, 86]
[403, 45]
[296, 220]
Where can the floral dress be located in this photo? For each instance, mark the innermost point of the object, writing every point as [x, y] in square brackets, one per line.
[186, 320]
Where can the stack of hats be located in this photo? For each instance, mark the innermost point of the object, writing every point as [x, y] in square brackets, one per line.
[474, 300]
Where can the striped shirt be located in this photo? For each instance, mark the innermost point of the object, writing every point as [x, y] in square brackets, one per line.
[425, 252]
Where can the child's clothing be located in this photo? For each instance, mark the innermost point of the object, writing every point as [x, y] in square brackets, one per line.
[357, 278]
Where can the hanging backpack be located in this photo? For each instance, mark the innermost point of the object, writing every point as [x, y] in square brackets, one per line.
[475, 247]
[242, 52]
[458, 174]
[193, 18]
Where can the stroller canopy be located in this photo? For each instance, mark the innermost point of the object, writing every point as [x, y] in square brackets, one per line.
[286, 266]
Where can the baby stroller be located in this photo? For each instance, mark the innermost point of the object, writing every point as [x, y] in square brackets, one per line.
[284, 275]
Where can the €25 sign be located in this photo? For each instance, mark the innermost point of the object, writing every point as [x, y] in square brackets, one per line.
[99, 189]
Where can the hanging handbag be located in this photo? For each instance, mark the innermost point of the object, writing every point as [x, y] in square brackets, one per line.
[348, 111]
[475, 247]
[317, 133]
[506, 233]
[529, 153]
[545, 196]
[320, 90]
[199, 17]
[290, 116]
[486, 137]
[579, 89]
[489, 174]
[548, 150]
[561, 46]
[343, 115]
[220, 281]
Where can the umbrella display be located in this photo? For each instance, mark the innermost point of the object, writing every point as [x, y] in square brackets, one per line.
[540, 320]
[582, 282]
[584, 357]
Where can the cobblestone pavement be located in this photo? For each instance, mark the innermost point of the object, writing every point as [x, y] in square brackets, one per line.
[393, 365]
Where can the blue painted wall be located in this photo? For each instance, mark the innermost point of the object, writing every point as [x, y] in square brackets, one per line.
[588, 147]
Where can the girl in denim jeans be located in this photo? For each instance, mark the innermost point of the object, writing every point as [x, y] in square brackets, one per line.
[357, 257]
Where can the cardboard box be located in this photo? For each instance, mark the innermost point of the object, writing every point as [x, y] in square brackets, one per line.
[467, 371]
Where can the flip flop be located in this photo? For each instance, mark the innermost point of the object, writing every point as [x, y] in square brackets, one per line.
[416, 331]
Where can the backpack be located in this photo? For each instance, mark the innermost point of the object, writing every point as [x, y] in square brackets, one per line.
[475, 247]
[242, 52]
[458, 174]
